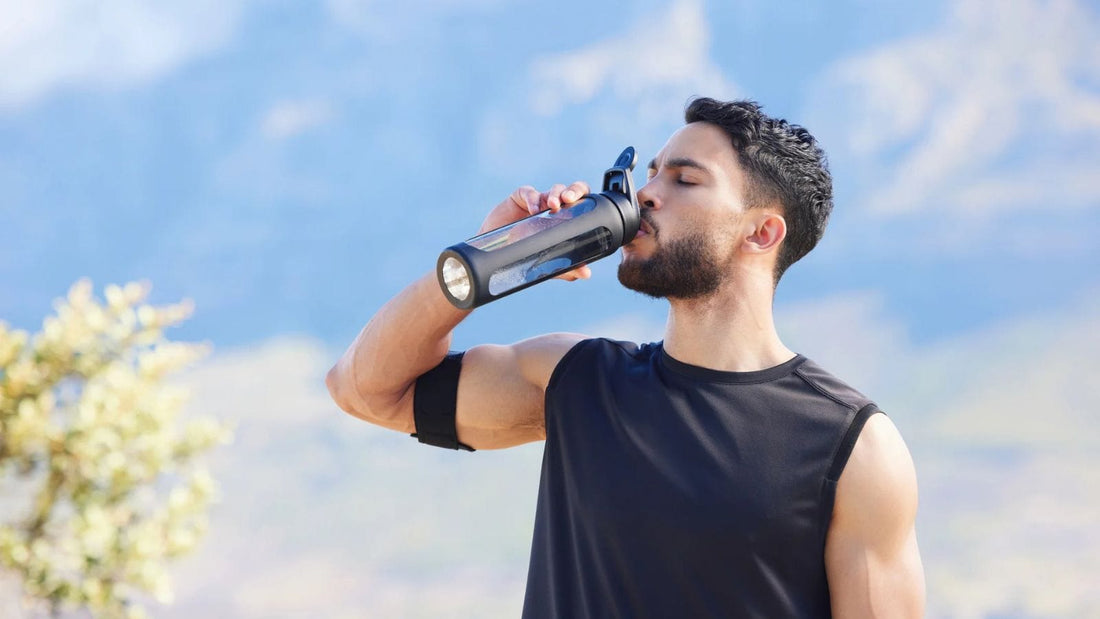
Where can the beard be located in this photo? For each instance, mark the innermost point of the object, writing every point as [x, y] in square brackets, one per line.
[686, 268]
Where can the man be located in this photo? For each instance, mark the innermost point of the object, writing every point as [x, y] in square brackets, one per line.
[716, 473]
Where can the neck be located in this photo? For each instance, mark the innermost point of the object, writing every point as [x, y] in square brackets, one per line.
[732, 330]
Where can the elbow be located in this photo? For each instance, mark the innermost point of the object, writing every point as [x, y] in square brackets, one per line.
[378, 410]
[339, 391]
[332, 382]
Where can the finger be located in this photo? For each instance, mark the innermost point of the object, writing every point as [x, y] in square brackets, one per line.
[575, 192]
[553, 197]
[532, 196]
[581, 272]
[526, 198]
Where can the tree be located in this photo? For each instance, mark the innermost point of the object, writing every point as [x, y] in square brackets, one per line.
[98, 473]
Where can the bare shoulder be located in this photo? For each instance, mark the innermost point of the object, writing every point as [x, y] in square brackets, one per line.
[879, 475]
[534, 358]
[871, 553]
[501, 391]
[542, 354]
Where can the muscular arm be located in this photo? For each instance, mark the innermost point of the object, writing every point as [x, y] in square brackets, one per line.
[410, 335]
[500, 390]
[871, 555]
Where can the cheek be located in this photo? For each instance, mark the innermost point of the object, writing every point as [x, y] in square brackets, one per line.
[724, 236]
[712, 225]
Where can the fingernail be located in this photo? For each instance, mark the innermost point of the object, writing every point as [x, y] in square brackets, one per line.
[568, 196]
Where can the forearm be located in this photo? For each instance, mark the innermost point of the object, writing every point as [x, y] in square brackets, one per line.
[412, 333]
[407, 337]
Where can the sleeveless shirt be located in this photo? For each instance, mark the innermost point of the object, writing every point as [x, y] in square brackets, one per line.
[672, 490]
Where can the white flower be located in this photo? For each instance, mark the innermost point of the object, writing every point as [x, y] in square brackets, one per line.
[97, 534]
[80, 295]
[115, 299]
[179, 499]
[148, 541]
[19, 554]
[92, 589]
[135, 292]
[181, 540]
[203, 485]
[148, 317]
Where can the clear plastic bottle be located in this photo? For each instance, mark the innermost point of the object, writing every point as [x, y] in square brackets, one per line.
[506, 260]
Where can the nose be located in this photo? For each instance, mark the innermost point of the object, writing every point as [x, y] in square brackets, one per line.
[647, 197]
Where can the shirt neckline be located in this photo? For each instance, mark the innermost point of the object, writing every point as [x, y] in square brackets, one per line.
[722, 376]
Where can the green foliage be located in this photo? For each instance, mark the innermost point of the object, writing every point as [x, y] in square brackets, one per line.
[90, 438]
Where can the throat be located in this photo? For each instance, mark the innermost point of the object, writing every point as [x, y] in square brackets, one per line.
[724, 336]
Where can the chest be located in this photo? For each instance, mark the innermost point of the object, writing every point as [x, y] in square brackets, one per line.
[687, 465]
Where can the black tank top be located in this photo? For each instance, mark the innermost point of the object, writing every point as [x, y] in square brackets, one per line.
[671, 490]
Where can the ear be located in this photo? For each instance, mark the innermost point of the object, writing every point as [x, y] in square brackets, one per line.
[769, 229]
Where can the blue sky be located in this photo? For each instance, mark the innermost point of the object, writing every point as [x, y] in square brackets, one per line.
[289, 166]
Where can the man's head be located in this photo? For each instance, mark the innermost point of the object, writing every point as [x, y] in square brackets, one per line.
[732, 185]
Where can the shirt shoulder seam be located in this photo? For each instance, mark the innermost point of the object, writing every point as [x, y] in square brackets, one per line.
[818, 388]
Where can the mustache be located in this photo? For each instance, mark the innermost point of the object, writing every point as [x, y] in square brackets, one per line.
[649, 221]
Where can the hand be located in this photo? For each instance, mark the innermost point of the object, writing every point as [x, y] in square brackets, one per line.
[526, 201]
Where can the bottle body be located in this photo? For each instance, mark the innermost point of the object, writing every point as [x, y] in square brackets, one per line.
[536, 248]
[531, 250]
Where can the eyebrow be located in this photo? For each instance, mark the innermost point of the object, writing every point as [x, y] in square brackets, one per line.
[680, 162]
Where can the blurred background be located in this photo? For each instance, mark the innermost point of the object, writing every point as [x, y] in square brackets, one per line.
[290, 166]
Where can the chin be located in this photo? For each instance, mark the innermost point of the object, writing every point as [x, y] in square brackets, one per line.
[632, 260]
[631, 251]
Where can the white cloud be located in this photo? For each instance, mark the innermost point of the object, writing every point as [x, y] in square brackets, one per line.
[48, 45]
[287, 119]
[665, 54]
[391, 22]
[849, 335]
[627, 89]
[1021, 384]
[261, 167]
[998, 109]
[1010, 535]
[278, 383]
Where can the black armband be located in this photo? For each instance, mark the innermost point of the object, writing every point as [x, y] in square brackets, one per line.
[435, 399]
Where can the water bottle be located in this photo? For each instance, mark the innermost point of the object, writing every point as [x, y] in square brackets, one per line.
[521, 254]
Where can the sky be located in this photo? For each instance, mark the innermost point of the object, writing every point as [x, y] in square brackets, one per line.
[290, 166]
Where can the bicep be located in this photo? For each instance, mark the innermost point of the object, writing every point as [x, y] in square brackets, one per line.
[501, 390]
[871, 553]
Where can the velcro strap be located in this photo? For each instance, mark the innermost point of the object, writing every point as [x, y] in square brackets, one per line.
[435, 400]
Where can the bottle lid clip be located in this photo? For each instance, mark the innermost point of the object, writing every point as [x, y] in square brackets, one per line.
[617, 178]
